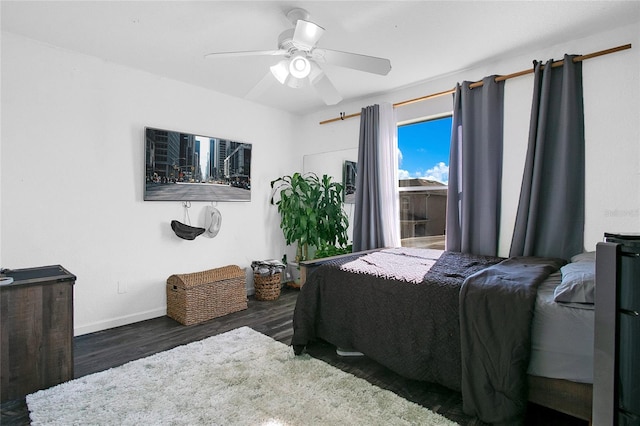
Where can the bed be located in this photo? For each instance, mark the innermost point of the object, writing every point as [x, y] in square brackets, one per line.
[486, 326]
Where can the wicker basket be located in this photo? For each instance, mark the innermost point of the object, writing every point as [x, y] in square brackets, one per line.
[267, 286]
[201, 296]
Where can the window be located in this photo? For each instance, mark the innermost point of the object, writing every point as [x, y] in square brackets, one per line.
[423, 171]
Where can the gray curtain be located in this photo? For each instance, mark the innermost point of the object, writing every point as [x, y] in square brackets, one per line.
[367, 226]
[550, 217]
[376, 221]
[475, 168]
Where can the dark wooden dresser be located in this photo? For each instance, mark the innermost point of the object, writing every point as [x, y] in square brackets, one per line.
[36, 332]
[616, 374]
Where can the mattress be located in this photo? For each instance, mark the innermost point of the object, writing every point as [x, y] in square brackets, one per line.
[561, 337]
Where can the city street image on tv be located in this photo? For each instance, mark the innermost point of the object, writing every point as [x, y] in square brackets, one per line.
[188, 167]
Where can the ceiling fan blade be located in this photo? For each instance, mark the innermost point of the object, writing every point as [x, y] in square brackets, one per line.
[260, 87]
[325, 89]
[355, 61]
[279, 52]
[306, 35]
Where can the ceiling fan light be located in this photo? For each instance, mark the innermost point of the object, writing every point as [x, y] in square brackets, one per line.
[306, 35]
[299, 67]
[280, 71]
[296, 83]
[313, 31]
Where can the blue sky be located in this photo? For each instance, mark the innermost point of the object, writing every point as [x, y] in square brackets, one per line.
[424, 150]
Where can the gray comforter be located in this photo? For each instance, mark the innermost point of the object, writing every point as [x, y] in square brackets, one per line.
[411, 328]
[414, 327]
[496, 309]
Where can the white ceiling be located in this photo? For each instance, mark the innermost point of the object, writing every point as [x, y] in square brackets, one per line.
[423, 39]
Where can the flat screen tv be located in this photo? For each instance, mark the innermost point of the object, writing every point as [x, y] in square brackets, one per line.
[183, 166]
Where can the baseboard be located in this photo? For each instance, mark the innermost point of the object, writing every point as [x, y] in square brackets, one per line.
[129, 319]
[119, 321]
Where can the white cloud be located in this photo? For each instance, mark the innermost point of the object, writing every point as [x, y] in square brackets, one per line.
[403, 174]
[439, 172]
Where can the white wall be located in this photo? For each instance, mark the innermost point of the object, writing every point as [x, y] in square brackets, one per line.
[612, 129]
[73, 173]
[71, 154]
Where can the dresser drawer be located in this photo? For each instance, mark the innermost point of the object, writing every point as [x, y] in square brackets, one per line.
[629, 296]
[628, 419]
[629, 363]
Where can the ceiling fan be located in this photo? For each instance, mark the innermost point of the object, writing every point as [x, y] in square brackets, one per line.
[300, 66]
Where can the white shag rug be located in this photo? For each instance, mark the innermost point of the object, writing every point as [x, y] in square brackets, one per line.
[241, 377]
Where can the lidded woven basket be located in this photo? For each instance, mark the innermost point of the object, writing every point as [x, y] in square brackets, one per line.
[200, 296]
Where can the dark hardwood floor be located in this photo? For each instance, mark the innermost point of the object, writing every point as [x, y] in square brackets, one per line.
[110, 348]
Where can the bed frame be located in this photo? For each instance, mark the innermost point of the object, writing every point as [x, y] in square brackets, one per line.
[572, 398]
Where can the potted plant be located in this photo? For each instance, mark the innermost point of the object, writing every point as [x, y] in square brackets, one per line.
[332, 219]
[311, 211]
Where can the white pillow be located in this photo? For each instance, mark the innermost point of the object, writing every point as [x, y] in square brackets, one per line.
[589, 256]
[578, 282]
